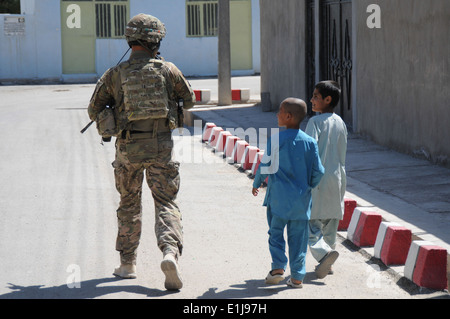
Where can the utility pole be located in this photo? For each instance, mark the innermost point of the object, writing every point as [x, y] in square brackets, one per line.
[224, 63]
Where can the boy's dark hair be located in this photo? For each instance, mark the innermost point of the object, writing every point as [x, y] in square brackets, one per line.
[330, 88]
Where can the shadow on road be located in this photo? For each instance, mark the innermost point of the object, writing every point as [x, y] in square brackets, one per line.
[87, 290]
[254, 288]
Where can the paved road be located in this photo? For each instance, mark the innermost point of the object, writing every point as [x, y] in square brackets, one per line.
[58, 227]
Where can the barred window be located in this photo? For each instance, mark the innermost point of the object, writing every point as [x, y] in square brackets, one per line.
[111, 18]
[201, 18]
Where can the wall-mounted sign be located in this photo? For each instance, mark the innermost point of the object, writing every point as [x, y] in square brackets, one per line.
[14, 25]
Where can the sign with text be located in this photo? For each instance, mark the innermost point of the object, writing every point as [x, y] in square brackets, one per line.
[14, 25]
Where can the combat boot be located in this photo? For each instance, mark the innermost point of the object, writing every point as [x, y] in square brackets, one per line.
[126, 271]
[169, 266]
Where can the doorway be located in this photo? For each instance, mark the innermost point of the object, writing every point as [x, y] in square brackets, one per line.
[334, 36]
[78, 37]
[241, 34]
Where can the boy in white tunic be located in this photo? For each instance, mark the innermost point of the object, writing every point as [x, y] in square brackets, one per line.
[330, 132]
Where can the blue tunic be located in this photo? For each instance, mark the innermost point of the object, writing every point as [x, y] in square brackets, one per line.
[293, 166]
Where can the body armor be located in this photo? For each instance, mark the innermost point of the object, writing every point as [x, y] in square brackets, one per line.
[144, 89]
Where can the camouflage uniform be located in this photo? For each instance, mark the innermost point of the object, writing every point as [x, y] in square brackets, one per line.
[144, 145]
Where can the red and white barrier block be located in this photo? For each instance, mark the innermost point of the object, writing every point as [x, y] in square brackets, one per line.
[349, 207]
[426, 265]
[249, 157]
[214, 136]
[257, 161]
[207, 130]
[220, 145]
[202, 96]
[238, 151]
[363, 228]
[229, 146]
[242, 95]
[392, 243]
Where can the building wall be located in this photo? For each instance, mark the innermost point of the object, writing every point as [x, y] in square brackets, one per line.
[37, 54]
[403, 76]
[194, 56]
[283, 39]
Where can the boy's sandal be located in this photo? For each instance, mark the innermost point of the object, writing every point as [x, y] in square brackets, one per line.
[274, 279]
[324, 267]
[291, 284]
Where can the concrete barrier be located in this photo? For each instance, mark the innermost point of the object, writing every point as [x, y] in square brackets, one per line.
[202, 96]
[249, 157]
[349, 207]
[214, 136]
[363, 228]
[392, 243]
[207, 130]
[242, 95]
[426, 265]
[220, 145]
[238, 151]
[229, 146]
[257, 161]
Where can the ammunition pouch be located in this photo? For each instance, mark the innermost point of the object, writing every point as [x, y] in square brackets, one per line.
[141, 148]
[106, 123]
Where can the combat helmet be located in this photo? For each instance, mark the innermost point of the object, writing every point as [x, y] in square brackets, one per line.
[145, 27]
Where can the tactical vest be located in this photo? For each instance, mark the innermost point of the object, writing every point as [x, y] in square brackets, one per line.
[144, 89]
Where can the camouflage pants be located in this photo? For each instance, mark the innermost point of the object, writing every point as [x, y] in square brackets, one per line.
[163, 179]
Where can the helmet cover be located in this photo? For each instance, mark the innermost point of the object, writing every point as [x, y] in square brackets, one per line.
[145, 27]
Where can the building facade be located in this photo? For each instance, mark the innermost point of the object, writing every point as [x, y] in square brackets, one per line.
[391, 58]
[73, 41]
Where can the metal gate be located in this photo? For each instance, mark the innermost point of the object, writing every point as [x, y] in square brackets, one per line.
[336, 53]
[335, 49]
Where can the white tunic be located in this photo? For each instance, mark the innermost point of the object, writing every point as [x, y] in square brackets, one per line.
[330, 132]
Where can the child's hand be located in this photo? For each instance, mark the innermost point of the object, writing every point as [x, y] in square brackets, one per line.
[255, 191]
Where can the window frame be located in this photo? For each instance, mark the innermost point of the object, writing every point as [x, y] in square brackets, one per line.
[202, 18]
[108, 14]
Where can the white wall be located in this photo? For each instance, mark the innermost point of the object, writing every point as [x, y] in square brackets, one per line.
[37, 53]
[193, 56]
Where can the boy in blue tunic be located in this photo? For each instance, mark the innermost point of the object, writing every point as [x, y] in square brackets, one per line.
[292, 165]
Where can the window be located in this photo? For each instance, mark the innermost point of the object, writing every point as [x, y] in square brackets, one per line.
[111, 18]
[10, 6]
[201, 18]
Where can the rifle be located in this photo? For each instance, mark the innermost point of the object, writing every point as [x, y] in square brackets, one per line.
[86, 127]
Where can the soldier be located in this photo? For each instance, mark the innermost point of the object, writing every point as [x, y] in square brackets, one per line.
[142, 94]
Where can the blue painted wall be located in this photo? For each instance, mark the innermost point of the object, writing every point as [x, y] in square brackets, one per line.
[36, 55]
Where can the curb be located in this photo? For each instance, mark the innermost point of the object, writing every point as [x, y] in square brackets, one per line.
[425, 265]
